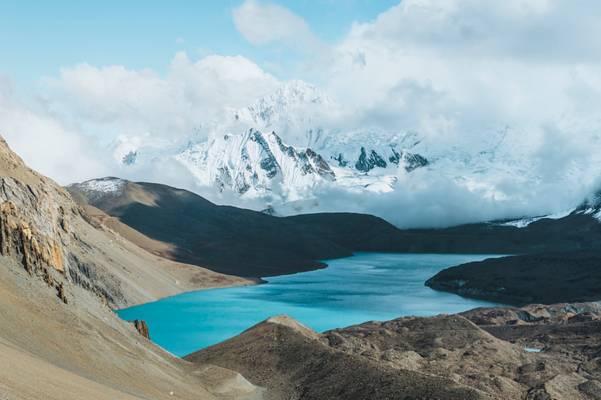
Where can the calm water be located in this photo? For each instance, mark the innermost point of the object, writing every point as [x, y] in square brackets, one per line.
[368, 286]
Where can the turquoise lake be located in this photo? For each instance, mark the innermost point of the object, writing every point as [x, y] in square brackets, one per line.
[367, 286]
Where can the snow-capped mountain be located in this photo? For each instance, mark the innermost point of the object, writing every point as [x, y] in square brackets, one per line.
[283, 146]
[365, 151]
[96, 189]
[591, 206]
[304, 115]
[289, 145]
[279, 149]
[256, 164]
[300, 113]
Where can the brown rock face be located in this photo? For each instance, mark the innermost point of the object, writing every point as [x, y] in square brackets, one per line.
[54, 239]
[18, 237]
[36, 216]
[33, 241]
[142, 328]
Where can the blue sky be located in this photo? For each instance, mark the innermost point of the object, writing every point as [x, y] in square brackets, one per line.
[40, 37]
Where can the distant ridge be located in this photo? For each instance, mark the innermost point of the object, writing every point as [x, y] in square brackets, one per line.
[252, 244]
[226, 239]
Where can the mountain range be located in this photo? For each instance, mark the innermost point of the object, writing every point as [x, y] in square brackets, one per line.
[294, 151]
[282, 149]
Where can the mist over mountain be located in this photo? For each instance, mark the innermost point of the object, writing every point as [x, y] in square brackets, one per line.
[290, 152]
[427, 114]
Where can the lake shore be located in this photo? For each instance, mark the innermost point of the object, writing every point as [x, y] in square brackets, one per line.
[351, 290]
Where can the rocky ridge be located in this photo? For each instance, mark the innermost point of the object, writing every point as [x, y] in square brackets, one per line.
[535, 352]
[35, 222]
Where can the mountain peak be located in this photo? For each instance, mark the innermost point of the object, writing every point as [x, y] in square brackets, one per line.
[9, 158]
[296, 110]
[11, 165]
[300, 91]
[289, 323]
[254, 163]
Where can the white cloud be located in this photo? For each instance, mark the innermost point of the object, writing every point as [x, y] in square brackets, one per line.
[115, 100]
[264, 23]
[461, 67]
[458, 71]
[535, 30]
[44, 142]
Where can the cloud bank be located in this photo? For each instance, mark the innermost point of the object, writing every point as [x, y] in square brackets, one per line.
[45, 142]
[118, 100]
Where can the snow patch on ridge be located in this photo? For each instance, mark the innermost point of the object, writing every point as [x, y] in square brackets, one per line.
[524, 222]
[104, 185]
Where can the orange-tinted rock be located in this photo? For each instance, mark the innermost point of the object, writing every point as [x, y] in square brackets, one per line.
[142, 328]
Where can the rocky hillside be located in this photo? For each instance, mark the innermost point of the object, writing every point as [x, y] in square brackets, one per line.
[56, 240]
[481, 354]
[293, 362]
[60, 274]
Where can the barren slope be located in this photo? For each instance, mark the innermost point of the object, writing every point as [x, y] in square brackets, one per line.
[294, 362]
[59, 276]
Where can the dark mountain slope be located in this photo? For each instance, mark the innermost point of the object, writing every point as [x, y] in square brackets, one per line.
[239, 241]
[570, 233]
[550, 274]
[252, 244]
[533, 278]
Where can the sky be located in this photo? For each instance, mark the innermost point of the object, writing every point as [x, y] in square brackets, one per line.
[41, 37]
[76, 76]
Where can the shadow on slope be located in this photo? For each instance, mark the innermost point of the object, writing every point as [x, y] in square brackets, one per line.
[252, 244]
